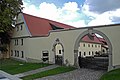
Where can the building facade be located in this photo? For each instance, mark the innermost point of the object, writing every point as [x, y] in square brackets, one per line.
[36, 40]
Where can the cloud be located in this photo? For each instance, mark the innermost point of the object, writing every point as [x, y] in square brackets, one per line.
[67, 14]
[102, 19]
[93, 12]
[103, 12]
[101, 6]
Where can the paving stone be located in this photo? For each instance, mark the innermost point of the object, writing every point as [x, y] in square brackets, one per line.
[79, 74]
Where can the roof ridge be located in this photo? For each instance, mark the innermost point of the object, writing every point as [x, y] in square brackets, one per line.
[49, 20]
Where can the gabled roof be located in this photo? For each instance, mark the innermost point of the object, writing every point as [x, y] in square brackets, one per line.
[40, 26]
[93, 39]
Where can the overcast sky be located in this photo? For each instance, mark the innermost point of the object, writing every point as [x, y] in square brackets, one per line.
[78, 13]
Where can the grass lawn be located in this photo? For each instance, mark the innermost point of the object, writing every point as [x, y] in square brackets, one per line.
[57, 70]
[112, 75]
[14, 67]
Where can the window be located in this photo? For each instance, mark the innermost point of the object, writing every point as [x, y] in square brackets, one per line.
[95, 45]
[45, 56]
[11, 52]
[103, 50]
[59, 51]
[21, 41]
[92, 53]
[80, 53]
[17, 42]
[92, 45]
[22, 54]
[83, 45]
[17, 53]
[99, 46]
[84, 53]
[88, 45]
[89, 52]
[21, 27]
[45, 59]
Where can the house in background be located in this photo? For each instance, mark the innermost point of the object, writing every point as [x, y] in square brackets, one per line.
[104, 46]
[92, 45]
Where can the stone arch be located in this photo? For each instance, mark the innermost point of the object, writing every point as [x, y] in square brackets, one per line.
[57, 42]
[91, 31]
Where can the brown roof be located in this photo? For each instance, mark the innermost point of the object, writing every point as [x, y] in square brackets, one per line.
[40, 26]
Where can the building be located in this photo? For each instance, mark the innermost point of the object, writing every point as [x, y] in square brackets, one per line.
[27, 35]
[37, 39]
[91, 45]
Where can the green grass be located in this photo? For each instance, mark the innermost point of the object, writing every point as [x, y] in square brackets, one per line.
[54, 71]
[112, 75]
[13, 67]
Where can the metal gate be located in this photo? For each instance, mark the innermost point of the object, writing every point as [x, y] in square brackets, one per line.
[94, 62]
[58, 59]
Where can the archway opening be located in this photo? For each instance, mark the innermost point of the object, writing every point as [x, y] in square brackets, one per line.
[58, 52]
[93, 50]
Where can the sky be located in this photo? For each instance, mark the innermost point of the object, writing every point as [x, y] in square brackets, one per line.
[77, 13]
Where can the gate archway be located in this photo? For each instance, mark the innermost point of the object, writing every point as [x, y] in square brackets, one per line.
[92, 31]
[58, 50]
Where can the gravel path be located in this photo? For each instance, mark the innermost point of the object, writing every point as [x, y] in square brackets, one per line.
[79, 74]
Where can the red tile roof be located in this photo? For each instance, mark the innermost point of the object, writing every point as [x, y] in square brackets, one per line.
[95, 39]
[40, 26]
[103, 41]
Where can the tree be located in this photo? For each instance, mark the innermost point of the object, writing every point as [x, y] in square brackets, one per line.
[9, 10]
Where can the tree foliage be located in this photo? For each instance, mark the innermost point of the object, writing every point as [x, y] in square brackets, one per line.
[8, 12]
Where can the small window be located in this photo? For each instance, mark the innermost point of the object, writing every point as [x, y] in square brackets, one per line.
[83, 45]
[17, 53]
[45, 59]
[84, 53]
[17, 42]
[22, 54]
[95, 45]
[92, 53]
[89, 52]
[103, 50]
[45, 54]
[80, 53]
[88, 45]
[21, 27]
[92, 45]
[59, 51]
[21, 41]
